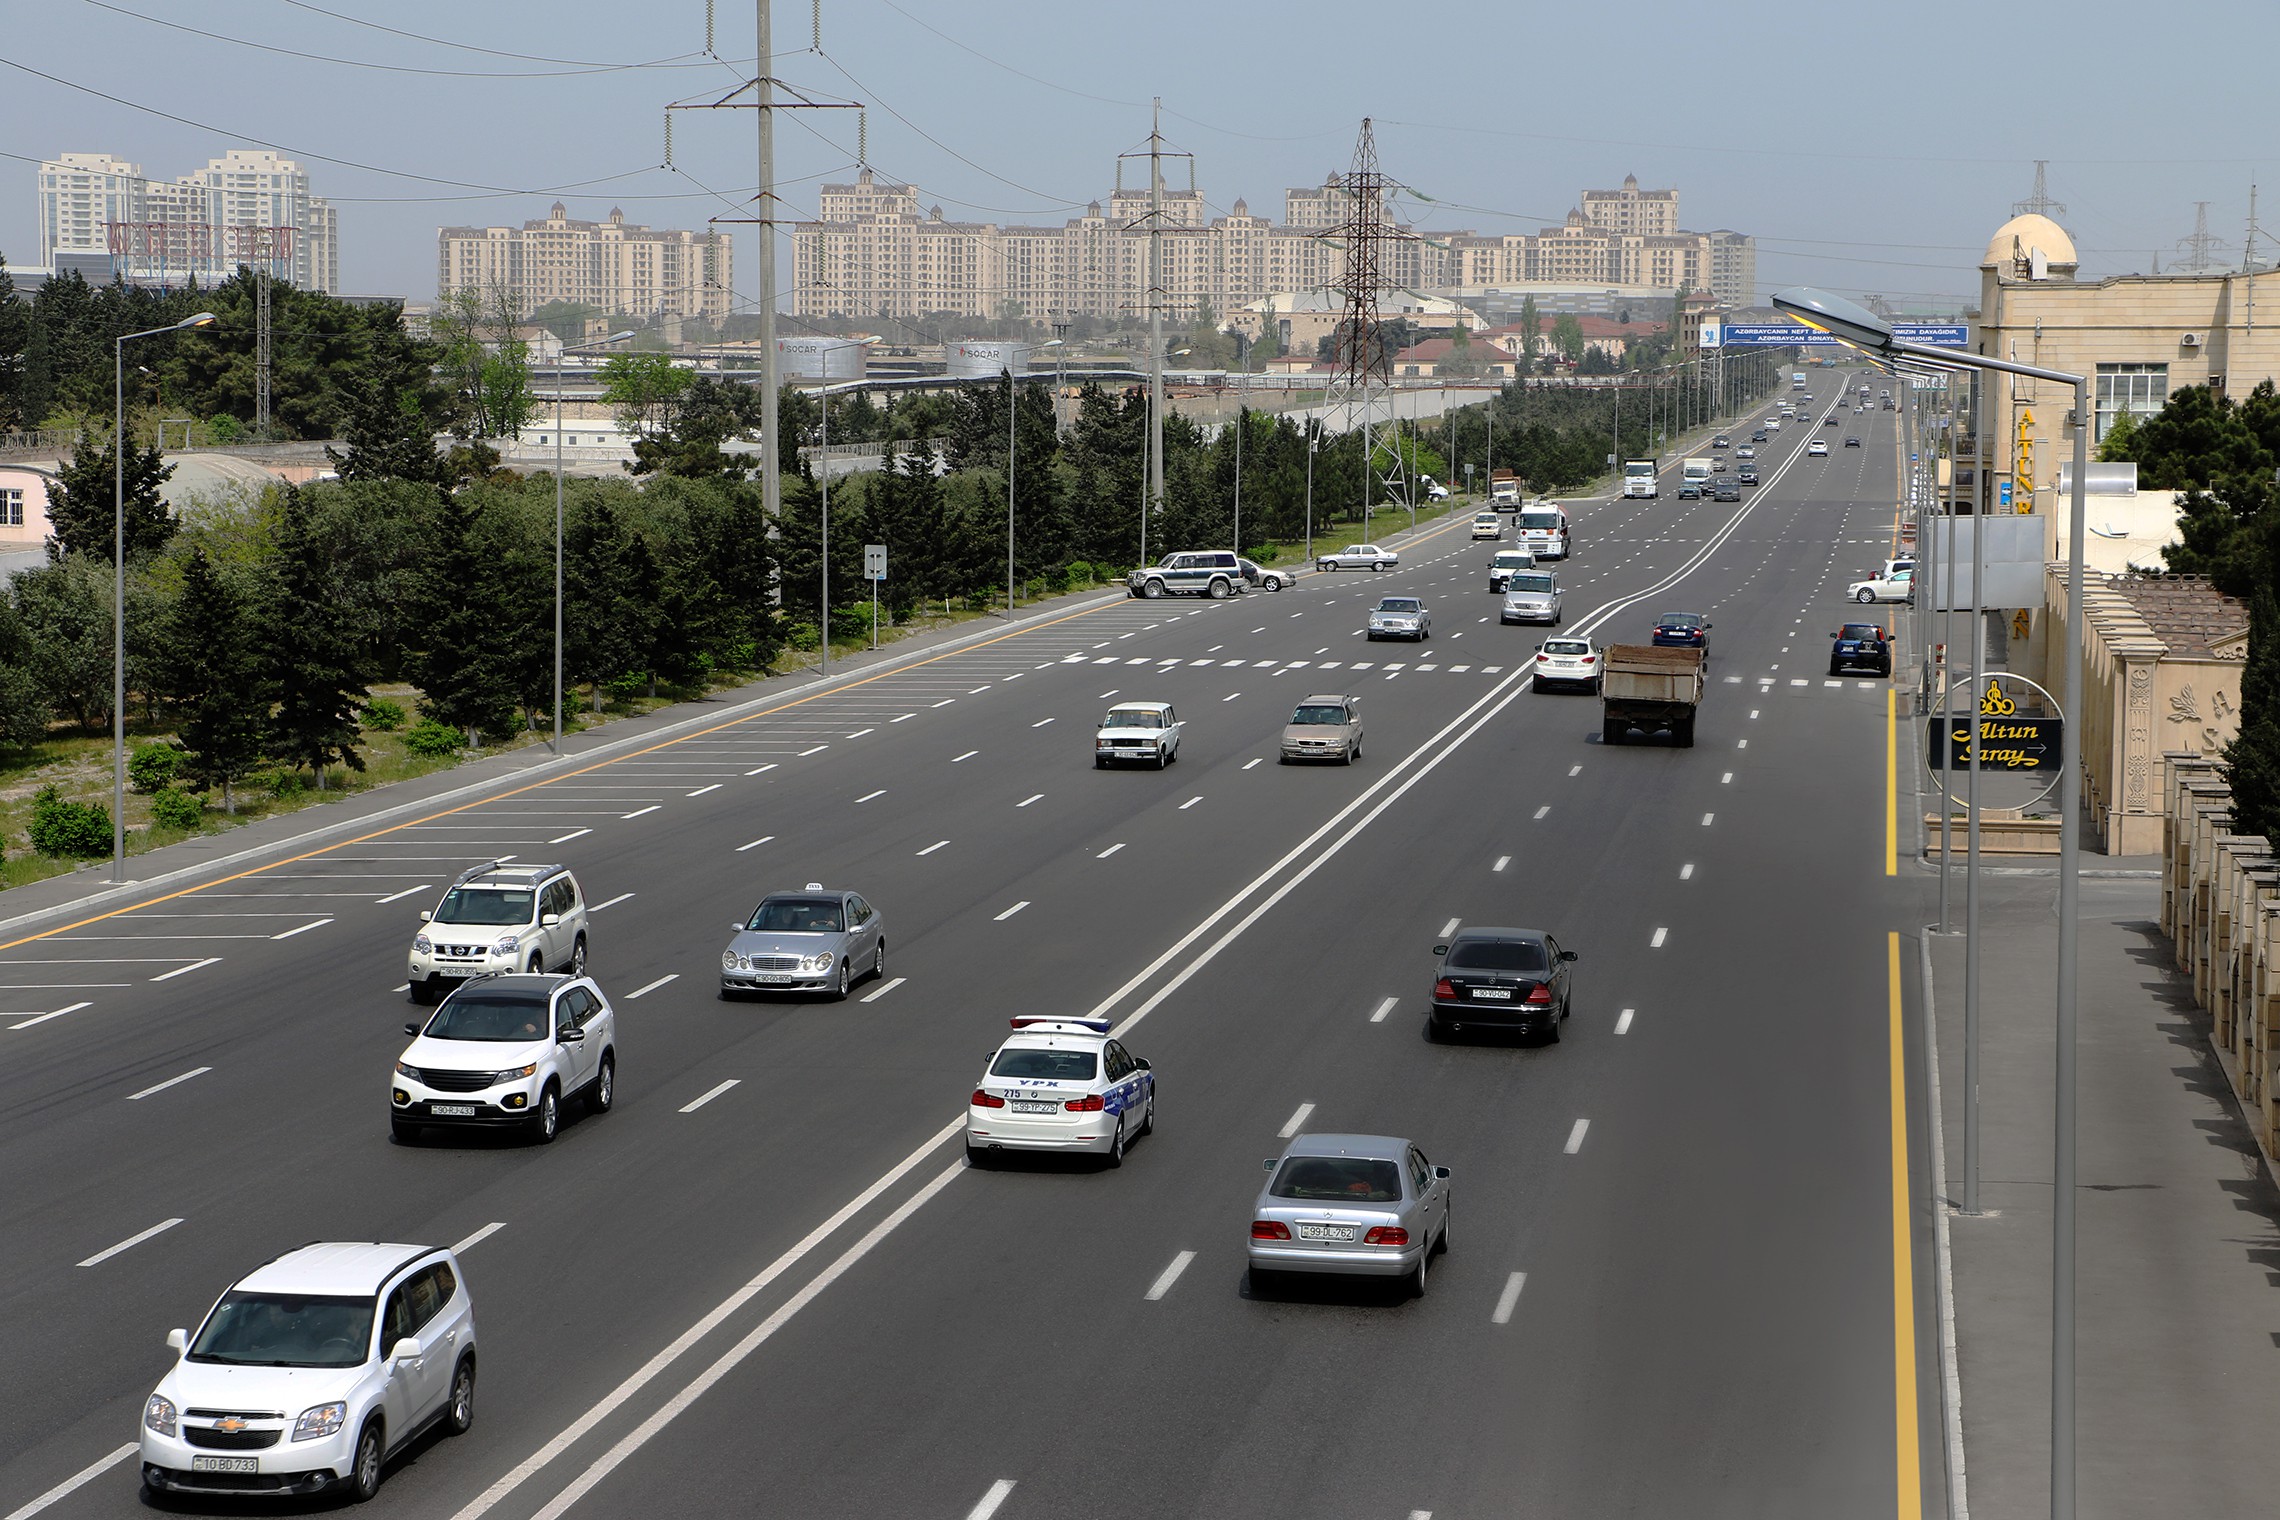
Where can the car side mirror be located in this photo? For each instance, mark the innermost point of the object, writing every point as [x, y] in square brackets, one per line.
[1142, 1064]
[412, 1027]
[178, 1340]
[1440, 1174]
[1272, 1162]
[426, 916]
[1567, 955]
[736, 928]
[572, 1035]
[405, 1350]
[549, 920]
[1440, 949]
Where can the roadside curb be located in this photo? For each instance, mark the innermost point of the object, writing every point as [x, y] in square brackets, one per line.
[1951, 1377]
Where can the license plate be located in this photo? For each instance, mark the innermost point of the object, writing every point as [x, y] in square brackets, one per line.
[444, 1111]
[1494, 994]
[1032, 1108]
[225, 1464]
[1325, 1232]
[774, 979]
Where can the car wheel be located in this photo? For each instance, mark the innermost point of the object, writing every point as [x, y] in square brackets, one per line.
[839, 989]
[1434, 1033]
[728, 994]
[1325, 567]
[1265, 1284]
[1865, 596]
[1552, 1035]
[1148, 1115]
[1163, 758]
[1100, 762]
[547, 1122]
[1381, 566]
[604, 1094]
[1417, 1278]
[403, 1131]
[1441, 1246]
[1884, 669]
[537, 963]
[1218, 591]
[1611, 732]
[1836, 668]
[364, 1473]
[879, 962]
[1116, 1145]
[461, 1416]
[423, 993]
[578, 957]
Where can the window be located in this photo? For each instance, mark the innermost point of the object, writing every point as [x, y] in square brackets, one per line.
[1338, 1179]
[1497, 955]
[2138, 389]
[1050, 1065]
[11, 507]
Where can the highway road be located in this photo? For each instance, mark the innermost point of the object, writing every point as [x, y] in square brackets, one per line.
[768, 1283]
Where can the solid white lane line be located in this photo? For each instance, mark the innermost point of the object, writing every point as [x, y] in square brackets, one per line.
[643, 812]
[1657, 942]
[968, 755]
[1111, 850]
[1575, 1136]
[476, 1239]
[1706, 817]
[1575, 770]
[982, 688]
[859, 733]
[989, 1502]
[1028, 800]
[76, 1481]
[195, 1071]
[622, 896]
[1041, 722]
[815, 749]
[315, 923]
[905, 718]
[867, 796]
[755, 844]
[1231, 696]
[1508, 1299]
[42, 1018]
[883, 989]
[581, 833]
[1296, 1120]
[1171, 1274]
[1623, 1021]
[946, 701]
[699, 792]
[1501, 862]
[1249, 763]
[1191, 802]
[168, 976]
[1104, 696]
[1008, 913]
[1686, 872]
[700, 1102]
[407, 892]
[1450, 927]
[1540, 812]
[129, 1244]
[1384, 1007]
[771, 765]
[930, 849]
[647, 988]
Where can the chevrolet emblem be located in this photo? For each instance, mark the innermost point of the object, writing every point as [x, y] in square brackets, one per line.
[229, 1423]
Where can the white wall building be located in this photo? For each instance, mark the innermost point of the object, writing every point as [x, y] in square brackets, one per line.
[246, 206]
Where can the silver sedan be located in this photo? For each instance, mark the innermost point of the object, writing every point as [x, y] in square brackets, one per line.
[1400, 617]
[1350, 1205]
[808, 941]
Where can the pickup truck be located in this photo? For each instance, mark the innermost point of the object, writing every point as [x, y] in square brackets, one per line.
[1652, 688]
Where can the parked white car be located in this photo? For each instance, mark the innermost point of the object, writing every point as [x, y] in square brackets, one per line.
[1359, 557]
[1899, 586]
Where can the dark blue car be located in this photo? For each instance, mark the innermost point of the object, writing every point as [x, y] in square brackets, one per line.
[1683, 630]
[1861, 646]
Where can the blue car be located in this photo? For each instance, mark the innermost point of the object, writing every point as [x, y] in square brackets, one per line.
[1860, 646]
[1683, 630]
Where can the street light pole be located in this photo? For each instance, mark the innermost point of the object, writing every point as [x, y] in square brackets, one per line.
[567, 350]
[119, 583]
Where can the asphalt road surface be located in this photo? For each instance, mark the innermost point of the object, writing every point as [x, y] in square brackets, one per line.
[768, 1283]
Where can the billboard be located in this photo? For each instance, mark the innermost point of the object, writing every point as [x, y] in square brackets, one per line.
[1798, 335]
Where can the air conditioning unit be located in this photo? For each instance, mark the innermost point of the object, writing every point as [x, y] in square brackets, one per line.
[2190, 340]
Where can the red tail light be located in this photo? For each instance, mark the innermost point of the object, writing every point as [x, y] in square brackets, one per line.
[1540, 993]
[1269, 1229]
[1091, 1105]
[1386, 1235]
[1444, 988]
[1589, 658]
[984, 1100]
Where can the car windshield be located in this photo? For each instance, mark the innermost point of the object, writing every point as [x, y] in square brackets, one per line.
[1497, 955]
[1512, 558]
[1132, 717]
[485, 905]
[1541, 583]
[1861, 631]
[1052, 1065]
[1549, 521]
[285, 1330]
[504, 1017]
[1567, 646]
[1326, 714]
[1338, 1179]
[1681, 620]
[797, 915]
[1400, 604]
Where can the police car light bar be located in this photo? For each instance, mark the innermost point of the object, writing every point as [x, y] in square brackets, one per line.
[1097, 1026]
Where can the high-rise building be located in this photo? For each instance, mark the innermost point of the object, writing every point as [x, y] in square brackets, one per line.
[1646, 213]
[246, 207]
[612, 265]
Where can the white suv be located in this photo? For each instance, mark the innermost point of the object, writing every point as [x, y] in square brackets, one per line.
[499, 918]
[507, 1050]
[311, 1371]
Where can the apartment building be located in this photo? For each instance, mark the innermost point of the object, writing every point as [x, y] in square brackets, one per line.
[245, 207]
[1644, 213]
[614, 265]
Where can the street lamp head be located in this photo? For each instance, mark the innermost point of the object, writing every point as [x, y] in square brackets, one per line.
[619, 336]
[202, 319]
[1841, 319]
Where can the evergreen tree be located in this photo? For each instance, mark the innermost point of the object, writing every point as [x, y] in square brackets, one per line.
[311, 651]
[600, 640]
[15, 339]
[24, 708]
[389, 429]
[65, 609]
[2252, 760]
[83, 512]
[218, 679]
[465, 675]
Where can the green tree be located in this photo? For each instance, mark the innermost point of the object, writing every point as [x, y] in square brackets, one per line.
[1567, 337]
[1531, 327]
[83, 514]
[603, 619]
[466, 675]
[65, 611]
[24, 707]
[311, 650]
[390, 410]
[704, 415]
[217, 679]
[2252, 760]
[2120, 441]
[15, 338]
[642, 389]
[488, 364]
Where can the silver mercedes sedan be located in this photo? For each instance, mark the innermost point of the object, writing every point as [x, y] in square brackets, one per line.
[807, 941]
[1354, 1205]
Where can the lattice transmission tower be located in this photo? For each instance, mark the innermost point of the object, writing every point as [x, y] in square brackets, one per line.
[2200, 245]
[1361, 382]
[2040, 203]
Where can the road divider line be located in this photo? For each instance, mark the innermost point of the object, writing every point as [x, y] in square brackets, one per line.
[195, 1071]
[1727, 779]
[582, 833]
[76, 1481]
[1039, 797]
[1623, 1021]
[1501, 862]
[168, 976]
[623, 896]
[882, 989]
[869, 796]
[42, 1018]
[1575, 1136]
[859, 733]
[755, 844]
[1296, 1120]
[699, 792]
[1686, 872]
[1575, 770]
[930, 849]
[1008, 913]
[128, 1244]
[714, 1092]
[813, 749]
[946, 701]
[1656, 943]
[407, 892]
[761, 769]
[1384, 1007]
[1171, 1274]
[988, 1504]
[1508, 1299]
[1191, 802]
[1450, 927]
[1111, 850]
[642, 812]
[1892, 783]
[1706, 818]
[315, 923]
[1249, 763]
[645, 989]
[968, 755]
[1041, 722]
[476, 1239]
[1540, 812]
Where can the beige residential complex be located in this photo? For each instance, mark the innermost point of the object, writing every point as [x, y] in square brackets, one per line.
[241, 208]
[876, 252]
[613, 265]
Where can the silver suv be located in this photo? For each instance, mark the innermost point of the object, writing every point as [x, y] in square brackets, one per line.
[499, 918]
[1215, 573]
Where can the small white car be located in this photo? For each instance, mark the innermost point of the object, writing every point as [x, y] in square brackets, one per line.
[1359, 557]
[1147, 732]
[1566, 664]
[1746, 451]
[1487, 525]
[1900, 586]
[311, 1372]
[1400, 617]
[507, 1051]
[1817, 450]
[1260, 576]
[496, 918]
[1773, 424]
[1060, 1085]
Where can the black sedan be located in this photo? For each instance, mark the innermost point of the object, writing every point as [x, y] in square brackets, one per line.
[1726, 490]
[1747, 475]
[1860, 646]
[1758, 436]
[1682, 630]
[1852, 441]
[1500, 979]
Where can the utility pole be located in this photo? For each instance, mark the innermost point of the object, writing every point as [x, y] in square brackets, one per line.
[1152, 496]
[261, 342]
[1363, 369]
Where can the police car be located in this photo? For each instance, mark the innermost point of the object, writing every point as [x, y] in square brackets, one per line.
[1060, 1085]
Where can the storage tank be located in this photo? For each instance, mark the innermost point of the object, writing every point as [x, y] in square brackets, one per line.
[821, 358]
[982, 358]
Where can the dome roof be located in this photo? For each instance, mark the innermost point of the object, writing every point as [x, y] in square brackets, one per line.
[2022, 235]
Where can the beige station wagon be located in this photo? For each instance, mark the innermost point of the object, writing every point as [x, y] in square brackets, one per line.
[1324, 728]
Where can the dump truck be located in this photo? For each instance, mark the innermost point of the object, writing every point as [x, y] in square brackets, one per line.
[1649, 687]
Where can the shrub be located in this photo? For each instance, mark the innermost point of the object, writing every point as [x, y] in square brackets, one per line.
[282, 783]
[70, 830]
[800, 635]
[432, 740]
[173, 808]
[383, 715]
[153, 766]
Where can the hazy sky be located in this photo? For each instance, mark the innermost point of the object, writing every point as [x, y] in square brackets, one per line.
[1889, 179]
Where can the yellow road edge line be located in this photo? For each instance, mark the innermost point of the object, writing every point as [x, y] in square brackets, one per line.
[1908, 1459]
[1891, 781]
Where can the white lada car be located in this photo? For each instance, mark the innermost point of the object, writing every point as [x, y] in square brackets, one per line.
[1060, 1085]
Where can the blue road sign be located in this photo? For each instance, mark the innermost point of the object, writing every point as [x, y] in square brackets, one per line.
[2002, 493]
[1797, 335]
